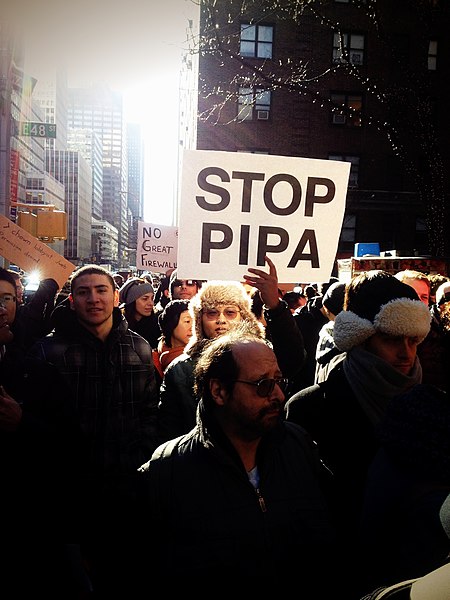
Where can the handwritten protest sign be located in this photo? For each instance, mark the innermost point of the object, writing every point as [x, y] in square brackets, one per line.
[157, 247]
[30, 254]
[236, 208]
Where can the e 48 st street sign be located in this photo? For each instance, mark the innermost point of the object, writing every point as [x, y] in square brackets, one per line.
[41, 130]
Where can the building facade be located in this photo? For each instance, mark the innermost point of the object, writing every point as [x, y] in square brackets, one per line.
[100, 109]
[331, 81]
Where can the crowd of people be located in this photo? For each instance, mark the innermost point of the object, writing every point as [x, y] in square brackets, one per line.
[224, 432]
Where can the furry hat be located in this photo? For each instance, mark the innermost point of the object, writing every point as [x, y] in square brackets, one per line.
[333, 299]
[380, 303]
[214, 293]
[132, 289]
[170, 317]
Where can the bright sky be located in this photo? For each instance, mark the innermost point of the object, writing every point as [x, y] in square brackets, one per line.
[135, 47]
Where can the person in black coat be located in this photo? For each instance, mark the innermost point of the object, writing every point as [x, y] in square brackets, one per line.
[402, 535]
[379, 329]
[239, 502]
[136, 300]
[40, 458]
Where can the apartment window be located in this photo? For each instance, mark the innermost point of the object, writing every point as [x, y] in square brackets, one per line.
[347, 109]
[354, 169]
[348, 47]
[253, 104]
[256, 40]
[432, 55]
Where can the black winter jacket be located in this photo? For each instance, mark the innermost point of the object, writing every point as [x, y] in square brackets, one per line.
[178, 404]
[209, 524]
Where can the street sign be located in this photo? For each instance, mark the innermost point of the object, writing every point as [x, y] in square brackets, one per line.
[41, 130]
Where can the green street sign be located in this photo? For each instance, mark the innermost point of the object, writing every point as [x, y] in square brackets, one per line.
[41, 130]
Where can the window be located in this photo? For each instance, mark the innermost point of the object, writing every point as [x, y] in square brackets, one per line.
[348, 47]
[432, 55]
[256, 40]
[354, 169]
[253, 104]
[347, 109]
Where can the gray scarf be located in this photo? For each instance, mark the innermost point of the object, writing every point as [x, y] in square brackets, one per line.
[374, 382]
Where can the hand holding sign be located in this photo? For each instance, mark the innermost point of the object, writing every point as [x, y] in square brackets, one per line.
[266, 283]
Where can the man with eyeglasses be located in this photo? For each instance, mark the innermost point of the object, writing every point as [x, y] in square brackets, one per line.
[240, 500]
[182, 289]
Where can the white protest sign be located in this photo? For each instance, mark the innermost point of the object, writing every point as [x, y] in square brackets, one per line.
[236, 208]
[157, 247]
[30, 254]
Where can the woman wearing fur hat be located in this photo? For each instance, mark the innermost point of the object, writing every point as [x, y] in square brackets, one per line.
[216, 308]
[380, 327]
[136, 301]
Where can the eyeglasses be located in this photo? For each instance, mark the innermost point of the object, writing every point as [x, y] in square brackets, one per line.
[264, 387]
[212, 314]
[7, 299]
[186, 283]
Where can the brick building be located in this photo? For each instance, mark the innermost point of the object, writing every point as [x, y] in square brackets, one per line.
[331, 82]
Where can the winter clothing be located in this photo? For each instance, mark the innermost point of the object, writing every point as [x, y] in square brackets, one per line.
[434, 352]
[342, 412]
[170, 316]
[39, 474]
[310, 320]
[177, 407]
[402, 536]
[333, 299]
[113, 383]
[147, 327]
[443, 293]
[326, 351]
[168, 355]
[209, 524]
[400, 316]
[214, 293]
[173, 279]
[132, 289]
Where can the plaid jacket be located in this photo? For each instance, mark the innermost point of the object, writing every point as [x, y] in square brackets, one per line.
[114, 387]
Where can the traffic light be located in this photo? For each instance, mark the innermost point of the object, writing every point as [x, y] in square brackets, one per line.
[28, 221]
[51, 224]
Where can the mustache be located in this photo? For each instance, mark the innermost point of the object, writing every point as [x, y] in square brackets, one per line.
[274, 405]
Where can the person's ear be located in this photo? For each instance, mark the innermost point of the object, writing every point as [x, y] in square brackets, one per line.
[71, 302]
[116, 297]
[218, 392]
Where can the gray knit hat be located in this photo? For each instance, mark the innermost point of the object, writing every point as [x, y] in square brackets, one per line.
[214, 293]
[132, 289]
